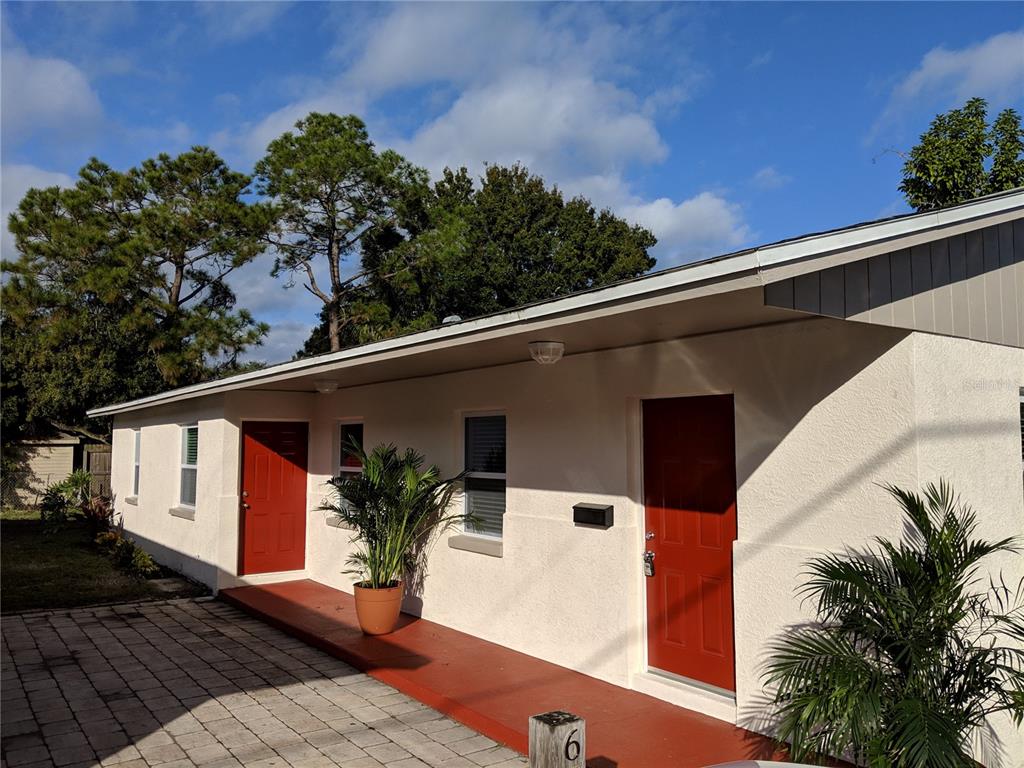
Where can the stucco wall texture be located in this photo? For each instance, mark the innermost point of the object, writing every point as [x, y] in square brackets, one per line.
[826, 411]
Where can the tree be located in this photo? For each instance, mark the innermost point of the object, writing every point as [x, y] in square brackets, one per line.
[960, 158]
[334, 193]
[912, 650]
[119, 289]
[510, 242]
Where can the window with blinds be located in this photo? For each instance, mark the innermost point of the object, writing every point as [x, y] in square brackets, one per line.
[138, 456]
[351, 435]
[485, 474]
[189, 464]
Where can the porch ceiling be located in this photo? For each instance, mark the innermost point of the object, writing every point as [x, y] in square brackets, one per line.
[626, 327]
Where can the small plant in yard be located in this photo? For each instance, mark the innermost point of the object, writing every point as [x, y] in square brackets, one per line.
[107, 541]
[98, 513]
[142, 564]
[127, 555]
[393, 506]
[911, 651]
[61, 500]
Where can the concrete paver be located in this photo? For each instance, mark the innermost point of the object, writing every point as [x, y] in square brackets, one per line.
[187, 683]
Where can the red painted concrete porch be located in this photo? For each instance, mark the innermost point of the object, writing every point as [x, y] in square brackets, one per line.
[494, 689]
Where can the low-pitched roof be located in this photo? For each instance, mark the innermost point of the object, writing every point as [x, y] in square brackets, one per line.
[752, 267]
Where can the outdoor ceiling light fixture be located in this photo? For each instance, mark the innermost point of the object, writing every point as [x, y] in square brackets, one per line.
[547, 352]
[325, 386]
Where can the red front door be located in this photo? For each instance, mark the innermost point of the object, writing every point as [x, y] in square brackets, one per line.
[273, 496]
[690, 503]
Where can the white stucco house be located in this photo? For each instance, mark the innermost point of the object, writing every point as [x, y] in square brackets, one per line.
[731, 418]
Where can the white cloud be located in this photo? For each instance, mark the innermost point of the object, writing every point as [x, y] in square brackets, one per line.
[250, 140]
[463, 43]
[236, 21]
[769, 177]
[549, 87]
[704, 225]
[15, 180]
[552, 123]
[41, 94]
[993, 69]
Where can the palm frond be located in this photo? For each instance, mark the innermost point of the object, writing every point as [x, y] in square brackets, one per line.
[910, 651]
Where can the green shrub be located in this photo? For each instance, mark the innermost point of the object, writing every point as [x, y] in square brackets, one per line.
[912, 649]
[61, 500]
[98, 513]
[127, 555]
[54, 507]
[107, 541]
[142, 564]
[123, 552]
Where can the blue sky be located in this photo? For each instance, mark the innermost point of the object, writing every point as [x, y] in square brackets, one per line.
[716, 125]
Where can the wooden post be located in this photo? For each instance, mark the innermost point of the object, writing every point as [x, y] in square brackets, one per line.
[558, 740]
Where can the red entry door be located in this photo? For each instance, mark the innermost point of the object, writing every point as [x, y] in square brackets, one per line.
[273, 496]
[690, 503]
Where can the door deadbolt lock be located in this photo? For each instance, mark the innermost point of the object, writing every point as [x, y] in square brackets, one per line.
[648, 563]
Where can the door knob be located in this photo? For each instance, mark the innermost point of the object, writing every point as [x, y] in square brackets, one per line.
[649, 535]
[245, 505]
[245, 493]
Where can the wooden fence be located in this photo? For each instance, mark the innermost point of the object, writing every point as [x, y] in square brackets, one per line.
[97, 463]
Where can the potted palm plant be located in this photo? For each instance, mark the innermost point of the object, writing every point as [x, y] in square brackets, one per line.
[392, 506]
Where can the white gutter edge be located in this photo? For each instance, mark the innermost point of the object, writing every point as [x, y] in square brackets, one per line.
[717, 269]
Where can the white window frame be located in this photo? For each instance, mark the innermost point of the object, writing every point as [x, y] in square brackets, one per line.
[194, 467]
[343, 470]
[137, 462]
[503, 476]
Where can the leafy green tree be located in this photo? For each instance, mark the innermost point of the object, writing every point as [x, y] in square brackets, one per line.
[510, 242]
[335, 194]
[119, 289]
[960, 157]
[912, 649]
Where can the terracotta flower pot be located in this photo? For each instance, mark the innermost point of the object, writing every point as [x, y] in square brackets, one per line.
[378, 609]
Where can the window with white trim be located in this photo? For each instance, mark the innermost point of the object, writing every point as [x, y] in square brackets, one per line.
[189, 464]
[485, 474]
[351, 435]
[138, 456]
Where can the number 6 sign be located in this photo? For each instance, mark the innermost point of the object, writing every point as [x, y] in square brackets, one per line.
[557, 740]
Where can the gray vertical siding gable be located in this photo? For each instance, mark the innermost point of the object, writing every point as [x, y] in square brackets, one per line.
[969, 285]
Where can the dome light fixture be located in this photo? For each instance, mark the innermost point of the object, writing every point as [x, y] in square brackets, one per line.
[325, 386]
[547, 352]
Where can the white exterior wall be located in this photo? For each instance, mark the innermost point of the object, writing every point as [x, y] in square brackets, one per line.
[189, 546]
[825, 412]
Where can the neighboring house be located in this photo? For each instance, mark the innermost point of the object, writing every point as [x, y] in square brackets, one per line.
[737, 415]
[40, 463]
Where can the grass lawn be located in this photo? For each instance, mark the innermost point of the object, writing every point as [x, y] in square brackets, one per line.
[62, 569]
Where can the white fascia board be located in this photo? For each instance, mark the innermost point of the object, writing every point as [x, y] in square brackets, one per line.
[719, 269]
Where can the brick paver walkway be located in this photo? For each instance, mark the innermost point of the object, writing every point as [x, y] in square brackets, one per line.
[184, 683]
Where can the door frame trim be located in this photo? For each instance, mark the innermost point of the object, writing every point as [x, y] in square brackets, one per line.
[239, 518]
[636, 465]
